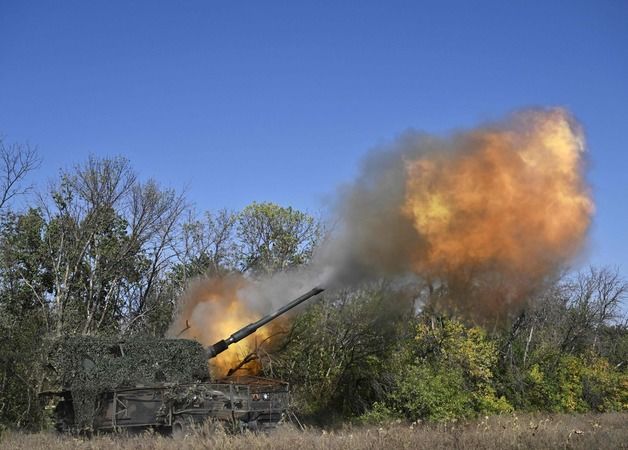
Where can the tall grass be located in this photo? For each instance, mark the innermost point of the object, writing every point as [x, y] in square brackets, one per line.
[586, 431]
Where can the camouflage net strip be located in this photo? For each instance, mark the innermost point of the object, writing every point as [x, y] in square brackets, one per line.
[89, 366]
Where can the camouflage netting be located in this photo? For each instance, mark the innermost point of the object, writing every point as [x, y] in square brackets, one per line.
[88, 366]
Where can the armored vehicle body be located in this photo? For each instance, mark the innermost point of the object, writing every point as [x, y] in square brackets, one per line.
[101, 384]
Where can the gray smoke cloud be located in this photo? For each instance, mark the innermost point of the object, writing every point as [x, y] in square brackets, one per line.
[503, 205]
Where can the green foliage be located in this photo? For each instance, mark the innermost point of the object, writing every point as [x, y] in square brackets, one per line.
[106, 254]
[581, 383]
[454, 344]
[378, 414]
[434, 393]
[448, 372]
[338, 356]
[24, 281]
[274, 238]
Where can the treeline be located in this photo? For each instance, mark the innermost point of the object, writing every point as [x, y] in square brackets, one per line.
[377, 353]
[100, 251]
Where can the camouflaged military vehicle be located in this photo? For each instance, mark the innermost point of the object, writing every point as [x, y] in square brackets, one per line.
[105, 384]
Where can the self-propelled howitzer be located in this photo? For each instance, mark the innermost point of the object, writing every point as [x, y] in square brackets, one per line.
[224, 344]
[99, 384]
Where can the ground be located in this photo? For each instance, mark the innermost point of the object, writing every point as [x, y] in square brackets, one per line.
[585, 431]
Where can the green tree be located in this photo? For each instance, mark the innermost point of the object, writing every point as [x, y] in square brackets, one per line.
[575, 383]
[24, 284]
[338, 353]
[273, 238]
[575, 319]
[447, 371]
[108, 240]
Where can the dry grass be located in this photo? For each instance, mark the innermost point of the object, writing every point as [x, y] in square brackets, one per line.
[587, 431]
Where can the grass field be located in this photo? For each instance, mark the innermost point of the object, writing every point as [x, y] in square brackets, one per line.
[587, 431]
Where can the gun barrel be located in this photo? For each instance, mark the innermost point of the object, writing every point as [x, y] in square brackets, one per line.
[222, 345]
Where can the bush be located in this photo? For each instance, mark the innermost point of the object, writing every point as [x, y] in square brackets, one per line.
[570, 383]
[447, 372]
[432, 393]
[378, 414]
[338, 357]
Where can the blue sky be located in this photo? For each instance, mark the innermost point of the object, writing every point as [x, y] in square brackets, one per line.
[280, 101]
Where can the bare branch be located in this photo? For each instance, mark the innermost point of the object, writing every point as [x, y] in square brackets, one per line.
[16, 161]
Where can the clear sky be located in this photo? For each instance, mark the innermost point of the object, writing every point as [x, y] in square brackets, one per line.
[280, 101]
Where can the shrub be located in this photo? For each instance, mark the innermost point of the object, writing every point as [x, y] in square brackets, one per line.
[448, 372]
[432, 393]
[378, 414]
[570, 383]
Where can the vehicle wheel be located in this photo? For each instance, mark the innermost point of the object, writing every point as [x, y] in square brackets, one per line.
[181, 427]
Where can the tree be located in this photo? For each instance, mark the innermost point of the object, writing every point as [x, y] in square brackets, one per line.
[447, 371]
[574, 321]
[207, 245]
[21, 318]
[24, 283]
[595, 300]
[273, 238]
[107, 240]
[16, 161]
[338, 353]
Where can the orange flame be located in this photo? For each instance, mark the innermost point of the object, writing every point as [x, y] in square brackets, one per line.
[212, 310]
[485, 216]
[488, 214]
[514, 198]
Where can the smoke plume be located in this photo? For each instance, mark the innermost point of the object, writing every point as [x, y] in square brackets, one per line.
[484, 216]
[212, 309]
[507, 200]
